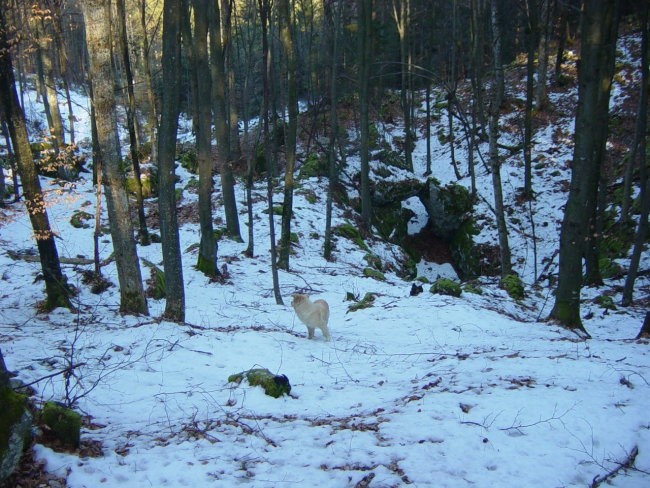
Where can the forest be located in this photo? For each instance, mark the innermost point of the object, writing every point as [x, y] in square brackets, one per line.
[464, 181]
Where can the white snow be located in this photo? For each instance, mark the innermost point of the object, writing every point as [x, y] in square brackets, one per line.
[426, 391]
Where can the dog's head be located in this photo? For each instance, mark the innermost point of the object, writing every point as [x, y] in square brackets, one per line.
[298, 298]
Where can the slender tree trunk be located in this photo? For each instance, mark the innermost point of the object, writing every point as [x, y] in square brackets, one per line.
[594, 79]
[45, 53]
[130, 121]
[175, 292]
[642, 229]
[207, 260]
[56, 290]
[532, 35]
[541, 94]
[641, 121]
[63, 65]
[264, 11]
[333, 16]
[221, 121]
[287, 38]
[148, 82]
[644, 333]
[427, 127]
[364, 9]
[98, 38]
[493, 134]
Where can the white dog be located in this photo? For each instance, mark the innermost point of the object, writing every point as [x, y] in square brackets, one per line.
[312, 314]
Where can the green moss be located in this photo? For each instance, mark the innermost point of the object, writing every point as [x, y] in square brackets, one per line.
[367, 302]
[314, 166]
[273, 385]
[513, 286]
[80, 218]
[463, 250]
[609, 268]
[472, 288]
[374, 274]
[13, 408]
[277, 210]
[350, 232]
[146, 185]
[189, 161]
[64, 423]
[192, 184]
[446, 286]
[373, 261]
[293, 237]
[179, 194]
[606, 302]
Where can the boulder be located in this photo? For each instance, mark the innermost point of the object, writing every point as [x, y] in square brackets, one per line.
[15, 430]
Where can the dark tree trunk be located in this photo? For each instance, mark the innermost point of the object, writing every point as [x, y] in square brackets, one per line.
[287, 38]
[599, 17]
[493, 133]
[98, 38]
[56, 290]
[364, 8]
[171, 64]
[207, 260]
[642, 229]
[644, 333]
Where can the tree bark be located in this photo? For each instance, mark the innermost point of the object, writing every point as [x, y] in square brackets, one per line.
[493, 134]
[594, 80]
[171, 66]
[130, 121]
[287, 39]
[642, 228]
[56, 289]
[220, 112]
[98, 38]
[207, 259]
[364, 9]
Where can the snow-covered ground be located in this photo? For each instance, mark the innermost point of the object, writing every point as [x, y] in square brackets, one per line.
[427, 390]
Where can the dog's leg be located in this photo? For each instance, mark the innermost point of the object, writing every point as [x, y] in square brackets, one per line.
[326, 332]
[310, 332]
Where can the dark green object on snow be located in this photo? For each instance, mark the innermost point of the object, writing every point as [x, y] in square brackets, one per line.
[274, 385]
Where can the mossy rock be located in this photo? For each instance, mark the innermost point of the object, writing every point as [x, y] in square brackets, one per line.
[309, 194]
[79, 219]
[350, 232]
[64, 423]
[15, 430]
[446, 286]
[605, 301]
[373, 261]
[374, 274]
[609, 268]
[192, 184]
[156, 287]
[273, 385]
[314, 166]
[277, 210]
[146, 185]
[513, 286]
[472, 288]
[367, 302]
[189, 161]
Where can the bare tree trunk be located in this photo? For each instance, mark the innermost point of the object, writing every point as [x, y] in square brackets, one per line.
[364, 9]
[594, 80]
[98, 38]
[153, 109]
[221, 122]
[333, 16]
[287, 38]
[175, 292]
[56, 290]
[207, 260]
[642, 229]
[532, 35]
[541, 94]
[264, 12]
[493, 133]
[130, 120]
